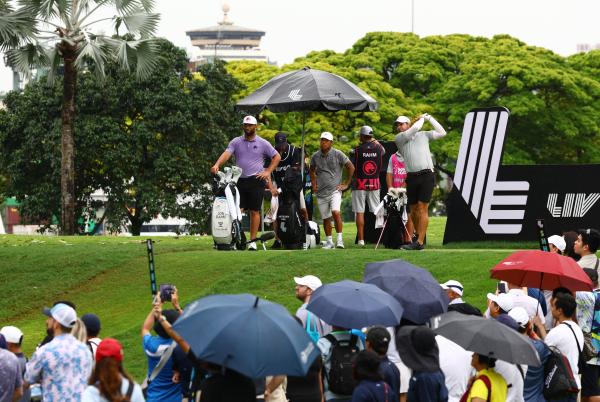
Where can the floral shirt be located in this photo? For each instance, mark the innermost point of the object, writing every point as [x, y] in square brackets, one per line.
[63, 368]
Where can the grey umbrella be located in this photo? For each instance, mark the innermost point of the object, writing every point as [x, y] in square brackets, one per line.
[487, 337]
[307, 90]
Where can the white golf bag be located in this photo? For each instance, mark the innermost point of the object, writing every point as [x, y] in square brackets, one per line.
[226, 219]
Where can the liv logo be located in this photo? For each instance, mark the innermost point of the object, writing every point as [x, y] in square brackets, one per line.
[295, 95]
[574, 205]
[498, 206]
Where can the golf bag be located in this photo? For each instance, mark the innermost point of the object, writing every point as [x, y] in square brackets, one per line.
[395, 207]
[290, 223]
[226, 217]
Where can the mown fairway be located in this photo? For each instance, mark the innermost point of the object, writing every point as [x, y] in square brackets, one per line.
[109, 276]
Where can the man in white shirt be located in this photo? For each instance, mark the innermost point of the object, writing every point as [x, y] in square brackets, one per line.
[414, 146]
[522, 299]
[566, 335]
[586, 246]
[305, 286]
[455, 363]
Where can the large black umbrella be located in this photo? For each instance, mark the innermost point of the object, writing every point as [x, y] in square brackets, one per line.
[307, 90]
[487, 337]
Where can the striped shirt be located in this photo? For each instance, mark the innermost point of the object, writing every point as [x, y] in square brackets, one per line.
[414, 145]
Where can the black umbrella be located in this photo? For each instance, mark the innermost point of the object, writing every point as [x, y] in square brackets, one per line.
[487, 337]
[307, 90]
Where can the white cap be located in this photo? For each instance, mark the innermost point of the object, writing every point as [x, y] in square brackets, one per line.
[309, 281]
[454, 286]
[503, 300]
[63, 313]
[519, 314]
[366, 130]
[327, 135]
[12, 334]
[402, 119]
[558, 241]
[249, 120]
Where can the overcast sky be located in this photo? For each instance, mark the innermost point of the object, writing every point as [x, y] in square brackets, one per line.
[296, 27]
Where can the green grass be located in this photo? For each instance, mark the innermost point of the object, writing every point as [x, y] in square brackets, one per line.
[109, 275]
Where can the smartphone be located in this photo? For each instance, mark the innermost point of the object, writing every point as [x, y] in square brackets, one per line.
[501, 287]
[166, 290]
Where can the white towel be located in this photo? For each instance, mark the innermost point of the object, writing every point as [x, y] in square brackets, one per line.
[271, 215]
[379, 213]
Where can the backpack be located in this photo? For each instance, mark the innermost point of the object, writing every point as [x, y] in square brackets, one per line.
[486, 381]
[559, 381]
[343, 352]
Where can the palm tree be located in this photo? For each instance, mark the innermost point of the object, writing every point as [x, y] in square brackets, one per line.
[45, 34]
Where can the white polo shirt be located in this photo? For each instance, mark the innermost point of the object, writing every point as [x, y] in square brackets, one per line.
[455, 363]
[562, 338]
[513, 377]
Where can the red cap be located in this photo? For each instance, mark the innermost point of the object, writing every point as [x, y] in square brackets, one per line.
[109, 347]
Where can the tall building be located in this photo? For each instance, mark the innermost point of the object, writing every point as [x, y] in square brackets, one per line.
[226, 41]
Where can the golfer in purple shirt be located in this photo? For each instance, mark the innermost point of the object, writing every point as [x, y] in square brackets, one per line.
[250, 153]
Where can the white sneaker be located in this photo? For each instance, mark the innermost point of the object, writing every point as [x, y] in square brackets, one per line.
[361, 243]
[328, 246]
[252, 246]
[340, 243]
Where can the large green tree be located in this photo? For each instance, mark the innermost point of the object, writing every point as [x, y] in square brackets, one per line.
[45, 35]
[148, 144]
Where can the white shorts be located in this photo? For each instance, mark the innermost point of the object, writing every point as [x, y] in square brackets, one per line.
[359, 197]
[330, 203]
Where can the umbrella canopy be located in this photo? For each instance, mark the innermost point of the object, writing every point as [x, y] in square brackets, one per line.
[415, 288]
[487, 337]
[350, 304]
[307, 90]
[543, 270]
[252, 336]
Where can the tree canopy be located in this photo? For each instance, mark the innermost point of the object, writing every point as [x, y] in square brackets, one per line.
[554, 101]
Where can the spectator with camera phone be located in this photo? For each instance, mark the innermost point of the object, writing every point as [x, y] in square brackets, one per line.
[163, 380]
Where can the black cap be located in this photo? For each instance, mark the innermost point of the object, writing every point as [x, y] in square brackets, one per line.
[280, 138]
[379, 339]
[92, 324]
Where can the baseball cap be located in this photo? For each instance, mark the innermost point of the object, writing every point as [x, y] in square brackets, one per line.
[402, 119]
[327, 135]
[12, 334]
[519, 314]
[249, 120]
[109, 347]
[280, 138]
[65, 315]
[366, 130]
[92, 323]
[379, 337]
[309, 281]
[503, 300]
[453, 285]
[558, 241]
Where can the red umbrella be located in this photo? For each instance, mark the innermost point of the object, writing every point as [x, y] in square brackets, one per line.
[543, 270]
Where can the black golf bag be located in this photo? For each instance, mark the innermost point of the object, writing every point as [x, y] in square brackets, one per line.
[291, 229]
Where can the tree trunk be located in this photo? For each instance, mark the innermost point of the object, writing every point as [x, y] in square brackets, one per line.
[136, 225]
[67, 143]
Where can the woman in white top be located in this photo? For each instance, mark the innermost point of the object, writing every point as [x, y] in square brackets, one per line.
[109, 382]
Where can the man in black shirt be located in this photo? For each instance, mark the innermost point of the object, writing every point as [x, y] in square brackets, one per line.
[290, 159]
[454, 290]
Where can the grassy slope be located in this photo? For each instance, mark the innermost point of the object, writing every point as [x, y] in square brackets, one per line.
[109, 276]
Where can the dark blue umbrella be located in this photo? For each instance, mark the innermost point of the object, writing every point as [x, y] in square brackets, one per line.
[415, 288]
[350, 304]
[252, 336]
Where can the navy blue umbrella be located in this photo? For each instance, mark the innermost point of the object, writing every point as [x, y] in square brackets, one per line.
[415, 288]
[252, 336]
[350, 304]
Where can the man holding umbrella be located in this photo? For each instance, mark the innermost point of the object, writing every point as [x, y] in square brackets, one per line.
[326, 176]
[250, 152]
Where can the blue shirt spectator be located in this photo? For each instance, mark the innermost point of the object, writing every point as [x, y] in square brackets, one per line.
[534, 379]
[427, 386]
[162, 388]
